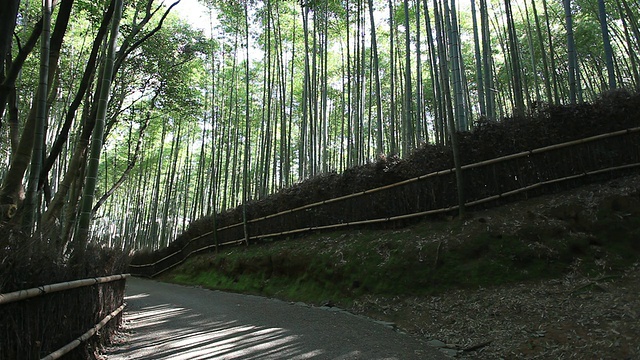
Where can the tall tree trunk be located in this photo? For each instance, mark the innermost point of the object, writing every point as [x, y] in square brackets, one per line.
[324, 148]
[608, 51]
[436, 90]
[31, 200]
[376, 74]
[288, 139]
[534, 66]
[545, 64]
[515, 61]
[552, 55]
[247, 129]
[451, 22]
[407, 123]
[85, 82]
[421, 115]
[12, 189]
[169, 198]
[130, 165]
[14, 123]
[451, 120]
[487, 60]
[75, 169]
[571, 51]
[478, 58]
[313, 99]
[355, 129]
[633, 57]
[302, 151]
[392, 105]
[14, 68]
[97, 138]
[8, 17]
[343, 105]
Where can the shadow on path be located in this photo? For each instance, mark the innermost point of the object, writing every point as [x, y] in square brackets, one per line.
[166, 321]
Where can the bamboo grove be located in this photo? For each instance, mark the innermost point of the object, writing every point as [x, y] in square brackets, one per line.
[121, 122]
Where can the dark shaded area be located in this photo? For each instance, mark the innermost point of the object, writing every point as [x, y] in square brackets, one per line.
[33, 328]
[592, 230]
[548, 125]
[169, 322]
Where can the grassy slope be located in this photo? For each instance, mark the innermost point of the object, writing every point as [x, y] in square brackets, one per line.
[594, 230]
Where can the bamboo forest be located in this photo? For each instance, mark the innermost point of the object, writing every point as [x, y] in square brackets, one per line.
[122, 123]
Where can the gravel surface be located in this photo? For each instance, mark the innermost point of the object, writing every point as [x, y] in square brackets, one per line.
[166, 321]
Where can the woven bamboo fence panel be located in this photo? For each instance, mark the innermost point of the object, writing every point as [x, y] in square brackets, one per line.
[40, 321]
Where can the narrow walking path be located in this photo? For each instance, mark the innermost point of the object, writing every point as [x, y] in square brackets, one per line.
[167, 321]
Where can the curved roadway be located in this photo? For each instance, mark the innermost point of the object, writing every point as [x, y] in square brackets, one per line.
[167, 321]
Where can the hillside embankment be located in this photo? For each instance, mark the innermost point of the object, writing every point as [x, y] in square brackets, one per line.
[555, 276]
[546, 126]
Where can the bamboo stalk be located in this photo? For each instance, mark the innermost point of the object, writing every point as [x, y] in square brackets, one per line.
[46, 289]
[84, 337]
[229, 227]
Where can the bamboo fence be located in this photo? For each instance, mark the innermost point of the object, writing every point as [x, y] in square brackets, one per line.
[46, 289]
[31, 312]
[509, 175]
[84, 337]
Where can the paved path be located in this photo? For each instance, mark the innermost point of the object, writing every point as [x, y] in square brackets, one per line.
[169, 321]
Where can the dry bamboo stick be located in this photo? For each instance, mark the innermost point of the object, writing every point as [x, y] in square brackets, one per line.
[229, 227]
[549, 182]
[177, 252]
[46, 289]
[84, 337]
[164, 258]
[193, 252]
[184, 247]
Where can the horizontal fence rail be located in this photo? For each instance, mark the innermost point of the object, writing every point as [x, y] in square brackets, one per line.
[75, 343]
[433, 193]
[46, 289]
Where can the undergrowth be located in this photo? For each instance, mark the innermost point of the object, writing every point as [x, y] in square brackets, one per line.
[484, 250]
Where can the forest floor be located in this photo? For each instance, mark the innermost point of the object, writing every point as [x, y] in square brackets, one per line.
[584, 313]
[571, 317]
[553, 277]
